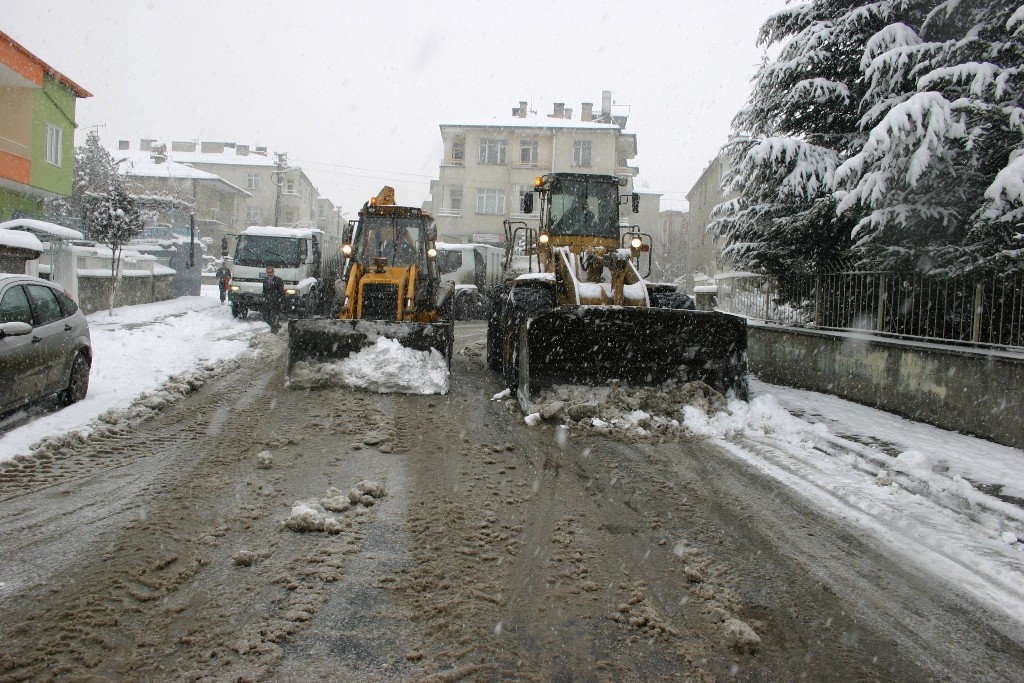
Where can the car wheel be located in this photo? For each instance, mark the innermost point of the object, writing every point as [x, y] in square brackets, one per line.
[78, 383]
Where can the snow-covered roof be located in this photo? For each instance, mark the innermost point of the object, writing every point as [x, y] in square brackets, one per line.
[532, 121]
[274, 231]
[42, 228]
[141, 165]
[20, 240]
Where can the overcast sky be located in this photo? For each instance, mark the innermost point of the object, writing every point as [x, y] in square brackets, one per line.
[355, 92]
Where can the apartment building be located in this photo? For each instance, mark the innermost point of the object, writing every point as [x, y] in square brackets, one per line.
[488, 165]
[168, 193]
[704, 250]
[37, 131]
[279, 194]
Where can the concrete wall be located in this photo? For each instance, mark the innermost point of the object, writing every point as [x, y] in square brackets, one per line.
[94, 292]
[967, 390]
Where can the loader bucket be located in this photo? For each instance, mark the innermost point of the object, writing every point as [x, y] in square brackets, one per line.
[591, 345]
[320, 340]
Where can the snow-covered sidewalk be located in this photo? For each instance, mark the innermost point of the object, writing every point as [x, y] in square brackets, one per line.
[136, 350]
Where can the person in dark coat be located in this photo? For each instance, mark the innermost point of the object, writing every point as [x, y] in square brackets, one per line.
[223, 280]
[273, 296]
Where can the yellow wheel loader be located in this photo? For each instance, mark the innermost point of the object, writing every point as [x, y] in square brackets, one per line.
[391, 288]
[575, 309]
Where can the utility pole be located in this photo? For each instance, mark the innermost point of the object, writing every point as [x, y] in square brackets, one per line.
[278, 179]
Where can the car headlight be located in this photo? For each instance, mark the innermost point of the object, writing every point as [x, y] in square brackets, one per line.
[636, 242]
[543, 239]
[291, 292]
[235, 288]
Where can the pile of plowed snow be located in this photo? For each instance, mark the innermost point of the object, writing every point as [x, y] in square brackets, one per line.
[385, 367]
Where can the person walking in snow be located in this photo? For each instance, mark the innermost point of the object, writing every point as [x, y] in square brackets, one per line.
[223, 280]
[273, 297]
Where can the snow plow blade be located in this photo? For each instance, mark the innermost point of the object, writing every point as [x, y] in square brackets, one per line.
[590, 345]
[322, 340]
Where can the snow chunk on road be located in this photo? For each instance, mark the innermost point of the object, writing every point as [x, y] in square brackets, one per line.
[740, 636]
[385, 367]
[312, 515]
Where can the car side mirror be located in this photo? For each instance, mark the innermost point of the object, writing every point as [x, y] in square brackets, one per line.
[346, 234]
[431, 232]
[224, 245]
[636, 203]
[15, 329]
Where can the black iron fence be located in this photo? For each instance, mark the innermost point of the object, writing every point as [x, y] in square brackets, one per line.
[987, 311]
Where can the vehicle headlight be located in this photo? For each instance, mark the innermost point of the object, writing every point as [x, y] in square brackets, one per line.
[235, 288]
[543, 239]
[291, 291]
[431, 253]
[346, 249]
[636, 242]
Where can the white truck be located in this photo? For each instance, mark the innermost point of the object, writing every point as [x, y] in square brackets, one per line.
[306, 259]
[475, 269]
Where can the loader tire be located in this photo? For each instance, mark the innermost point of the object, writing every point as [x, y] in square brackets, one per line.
[522, 303]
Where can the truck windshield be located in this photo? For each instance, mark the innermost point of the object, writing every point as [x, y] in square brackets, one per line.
[398, 239]
[266, 250]
[579, 207]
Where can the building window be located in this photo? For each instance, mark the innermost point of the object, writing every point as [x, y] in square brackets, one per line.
[492, 151]
[252, 215]
[458, 150]
[520, 192]
[289, 186]
[54, 144]
[528, 151]
[455, 199]
[252, 181]
[289, 216]
[581, 152]
[490, 201]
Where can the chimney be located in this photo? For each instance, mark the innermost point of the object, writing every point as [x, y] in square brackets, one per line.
[122, 145]
[559, 111]
[242, 150]
[145, 144]
[211, 147]
[522, 109]
[568, 113]
[606, 106]
[587, 111]
[261, 151]
[183, 146]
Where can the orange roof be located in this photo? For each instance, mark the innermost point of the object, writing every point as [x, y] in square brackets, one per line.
[13, 55]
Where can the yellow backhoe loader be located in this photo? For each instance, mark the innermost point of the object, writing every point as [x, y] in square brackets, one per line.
[391, 288]
[575, 309]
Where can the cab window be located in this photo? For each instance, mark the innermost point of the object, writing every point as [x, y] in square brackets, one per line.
[14, 307]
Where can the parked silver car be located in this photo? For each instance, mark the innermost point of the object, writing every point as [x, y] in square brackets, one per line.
[45, 346]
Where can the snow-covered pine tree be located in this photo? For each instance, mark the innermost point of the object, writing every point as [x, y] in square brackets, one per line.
[895, 126]
[934, 184]
[94, 171]
[799, 124]
[113, 220]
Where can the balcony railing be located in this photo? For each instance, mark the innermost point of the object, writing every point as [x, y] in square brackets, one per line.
[15, 148]
[453, 162]
[449, 212]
